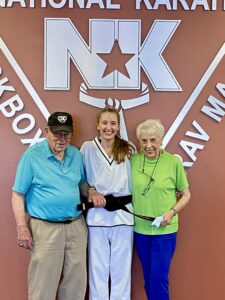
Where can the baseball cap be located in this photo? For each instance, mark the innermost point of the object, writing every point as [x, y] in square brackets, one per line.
[60, 121]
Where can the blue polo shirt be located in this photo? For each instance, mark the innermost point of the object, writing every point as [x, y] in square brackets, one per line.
[50, 186]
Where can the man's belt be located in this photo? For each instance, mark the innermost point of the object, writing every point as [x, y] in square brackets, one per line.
[65, 221]
[115, 203]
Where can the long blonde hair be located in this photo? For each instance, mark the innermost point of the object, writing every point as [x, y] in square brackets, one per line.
[121, 148]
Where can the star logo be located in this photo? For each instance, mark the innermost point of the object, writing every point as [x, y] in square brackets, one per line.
[115, 60]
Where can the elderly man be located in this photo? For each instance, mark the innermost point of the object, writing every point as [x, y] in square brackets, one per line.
[47, 189]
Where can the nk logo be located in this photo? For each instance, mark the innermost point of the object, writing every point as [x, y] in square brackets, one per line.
[112, 60]
[114, 56]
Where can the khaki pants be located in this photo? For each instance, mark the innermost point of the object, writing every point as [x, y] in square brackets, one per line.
[58, 260]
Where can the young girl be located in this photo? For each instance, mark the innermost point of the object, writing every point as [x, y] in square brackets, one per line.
[107, 165]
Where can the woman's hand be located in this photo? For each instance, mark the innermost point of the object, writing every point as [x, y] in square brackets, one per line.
[97, 198]
[185, 196]
[167, 218]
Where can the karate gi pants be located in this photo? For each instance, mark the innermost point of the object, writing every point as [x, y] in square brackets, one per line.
[110, 255]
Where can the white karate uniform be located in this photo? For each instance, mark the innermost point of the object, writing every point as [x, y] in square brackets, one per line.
[110, 233]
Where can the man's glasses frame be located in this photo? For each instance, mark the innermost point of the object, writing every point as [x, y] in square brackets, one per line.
[60, 135]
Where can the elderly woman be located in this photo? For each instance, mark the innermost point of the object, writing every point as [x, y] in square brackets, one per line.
[156, 176]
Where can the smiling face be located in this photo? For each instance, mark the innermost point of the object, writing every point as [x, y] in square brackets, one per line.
[58, 141]
[150, 135]
[108, 126]
[150, 145]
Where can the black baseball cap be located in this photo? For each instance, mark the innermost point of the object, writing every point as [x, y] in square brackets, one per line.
[60, 121]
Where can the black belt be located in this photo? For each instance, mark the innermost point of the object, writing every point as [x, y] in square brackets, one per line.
[112, 203]
[115, 203]
[66, 221]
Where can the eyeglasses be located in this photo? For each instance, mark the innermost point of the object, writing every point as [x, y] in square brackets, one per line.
[147, 188]
[151, 179]
[60, 135]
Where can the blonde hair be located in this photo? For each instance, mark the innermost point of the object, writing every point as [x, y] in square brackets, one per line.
[150, 127]
[121, 148]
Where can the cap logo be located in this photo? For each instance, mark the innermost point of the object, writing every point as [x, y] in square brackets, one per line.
[62, 119]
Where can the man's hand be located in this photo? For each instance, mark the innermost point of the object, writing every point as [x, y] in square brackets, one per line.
[24, 238]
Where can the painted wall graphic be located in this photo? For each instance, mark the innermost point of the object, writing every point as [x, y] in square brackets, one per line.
[148, 58]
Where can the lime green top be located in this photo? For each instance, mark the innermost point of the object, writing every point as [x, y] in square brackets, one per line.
[168, 176]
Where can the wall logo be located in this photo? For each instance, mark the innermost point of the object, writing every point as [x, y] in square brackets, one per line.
[97, 63]
[112, 60]
[64, 42]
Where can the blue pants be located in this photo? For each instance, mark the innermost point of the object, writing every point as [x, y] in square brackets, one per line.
[155, 253]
